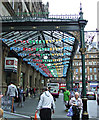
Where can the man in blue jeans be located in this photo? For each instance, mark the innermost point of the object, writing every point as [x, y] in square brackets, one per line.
[12, 92]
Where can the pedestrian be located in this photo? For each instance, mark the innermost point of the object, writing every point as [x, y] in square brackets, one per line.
[66, 98]
[34, 90]
[49, 89]
[20, 96]
[46, 103]
[18, 88]
[76, 104]
[31, 92]
[12, 92]
[72, 93]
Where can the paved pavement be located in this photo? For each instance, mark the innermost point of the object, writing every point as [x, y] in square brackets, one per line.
[24, 113]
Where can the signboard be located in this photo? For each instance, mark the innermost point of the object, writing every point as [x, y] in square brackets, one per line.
[11, 63]
[6, 103]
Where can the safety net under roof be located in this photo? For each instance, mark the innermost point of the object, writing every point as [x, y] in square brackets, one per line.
[49, 52]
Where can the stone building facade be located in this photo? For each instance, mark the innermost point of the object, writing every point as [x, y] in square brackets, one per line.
[26, 75]
[91, 64]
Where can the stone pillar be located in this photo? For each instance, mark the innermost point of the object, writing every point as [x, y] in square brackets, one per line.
[33, 82]
[38, 80]
[42, 84]
[34, 77]
[45, 81]
[19, 70]
[26, 76]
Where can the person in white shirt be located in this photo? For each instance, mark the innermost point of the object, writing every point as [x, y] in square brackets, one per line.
[46, 103]
[12, 92]
[76, 104]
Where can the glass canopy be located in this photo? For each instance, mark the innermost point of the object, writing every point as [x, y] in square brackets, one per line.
[49, 52]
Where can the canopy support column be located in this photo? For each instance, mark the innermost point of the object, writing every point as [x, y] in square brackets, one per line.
[82, 24]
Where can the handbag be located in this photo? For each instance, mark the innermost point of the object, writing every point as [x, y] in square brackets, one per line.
[70, 112]
[35, 117]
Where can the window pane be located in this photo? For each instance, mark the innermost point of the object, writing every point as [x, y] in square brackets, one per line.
[94, 63]
[90, 63]
[80, 69]
[90, 70]
[80, 77]
[95, 77]
[94, 69]
[77, 70]
[89, 56]
[85, 70]
[90, 77]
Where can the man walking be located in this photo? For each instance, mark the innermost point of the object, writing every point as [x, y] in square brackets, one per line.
[45, 105]
[12, 92]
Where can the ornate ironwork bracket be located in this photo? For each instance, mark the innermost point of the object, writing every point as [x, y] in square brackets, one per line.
[82, 50]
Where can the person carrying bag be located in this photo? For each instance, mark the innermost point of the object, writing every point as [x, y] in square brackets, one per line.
[46, 103]
[76, 104]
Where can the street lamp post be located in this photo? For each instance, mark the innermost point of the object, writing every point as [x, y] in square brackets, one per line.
[82, 24]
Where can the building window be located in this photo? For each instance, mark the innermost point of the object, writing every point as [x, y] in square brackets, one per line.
[86, 76]
[94, 56]
[76, 77]
[85, 70]
[80, 77]
[80, 69]
[90, 70]
[90, 77]
[89, 56]
[95, 77]
[94, 62]
[76, 63]
[95, 70]
[90, 63]
[76, 70]
[85, 63]
[80, 63]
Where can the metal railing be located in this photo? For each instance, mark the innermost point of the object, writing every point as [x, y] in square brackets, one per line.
[37, 17]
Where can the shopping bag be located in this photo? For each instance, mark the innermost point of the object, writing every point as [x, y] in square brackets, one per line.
[70, 112]
[35, 117]
[67, 104]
